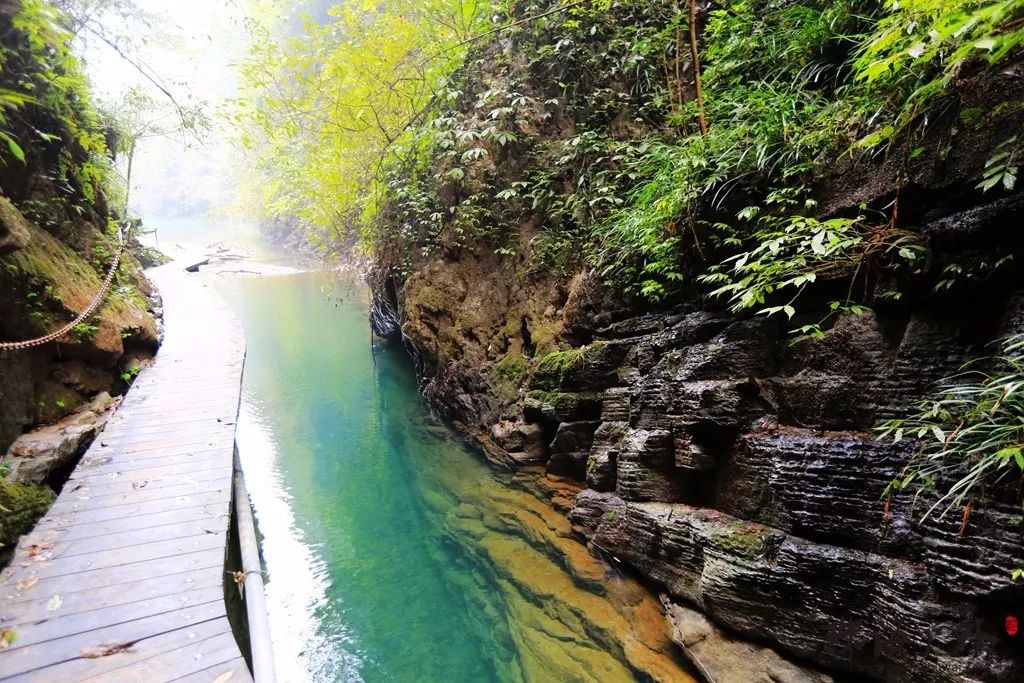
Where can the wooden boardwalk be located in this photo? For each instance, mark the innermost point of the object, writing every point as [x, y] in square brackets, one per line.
[123, 579]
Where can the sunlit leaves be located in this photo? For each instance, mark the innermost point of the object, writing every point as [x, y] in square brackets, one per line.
[328, 109]
[1002, 167]
[791, 253]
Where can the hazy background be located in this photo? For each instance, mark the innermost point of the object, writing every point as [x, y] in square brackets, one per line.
[191, 45]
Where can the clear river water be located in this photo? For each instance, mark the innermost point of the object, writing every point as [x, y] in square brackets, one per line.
[393, 551]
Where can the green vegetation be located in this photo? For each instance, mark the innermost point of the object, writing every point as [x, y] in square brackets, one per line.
[794, 252]
[328, 107]
[578, 125]
[47, 112]
[970, 431]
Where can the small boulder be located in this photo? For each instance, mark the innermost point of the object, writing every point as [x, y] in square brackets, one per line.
[34, 456]
[722, 658]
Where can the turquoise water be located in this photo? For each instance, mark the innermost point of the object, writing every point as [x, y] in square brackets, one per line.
[394, 553]
[329, 416]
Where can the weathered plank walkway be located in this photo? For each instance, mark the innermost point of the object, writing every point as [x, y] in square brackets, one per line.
[123, 579]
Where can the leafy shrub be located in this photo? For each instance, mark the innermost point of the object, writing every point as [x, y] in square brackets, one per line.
[970, 430]
[793, 252]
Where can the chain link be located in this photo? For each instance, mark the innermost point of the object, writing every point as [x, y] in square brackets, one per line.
[89, 310]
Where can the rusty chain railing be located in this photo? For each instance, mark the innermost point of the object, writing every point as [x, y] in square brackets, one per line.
[84, 315]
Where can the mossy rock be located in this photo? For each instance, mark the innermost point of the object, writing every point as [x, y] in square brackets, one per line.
[588, 367]
[512, 368]
[560, 406]
[744, 539]
[14, 229]
[21, 506]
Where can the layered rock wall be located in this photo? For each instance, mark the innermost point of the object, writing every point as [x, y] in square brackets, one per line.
[737, 466]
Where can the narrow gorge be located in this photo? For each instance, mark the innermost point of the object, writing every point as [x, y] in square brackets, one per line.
[584, 340]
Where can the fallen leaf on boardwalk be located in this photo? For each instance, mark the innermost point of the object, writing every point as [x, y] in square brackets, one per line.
[8, 637]
[36, 549]
[223, 677]
[55, 602]
[106, 650]
[28, 583]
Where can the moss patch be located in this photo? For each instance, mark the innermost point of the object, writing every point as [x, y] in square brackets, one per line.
[553, 368]
[741, 539]
[20, 507]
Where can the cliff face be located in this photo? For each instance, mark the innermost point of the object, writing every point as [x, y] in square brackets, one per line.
[740, 472]
[735, 464]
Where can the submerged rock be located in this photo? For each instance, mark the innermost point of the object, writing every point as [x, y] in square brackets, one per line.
[720, 658]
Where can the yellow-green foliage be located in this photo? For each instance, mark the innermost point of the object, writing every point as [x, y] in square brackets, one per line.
[325, 109]
[39, 71]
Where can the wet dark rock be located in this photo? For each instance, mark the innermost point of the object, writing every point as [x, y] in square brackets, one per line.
[35, 456]
[14, 232]
[571, 448]
[604, 453]
[853, 611]
[557, 407]
[722, 406]
[17, 388]
[645, 466]
[722, 658]
[744, 349]
[681, 331]
[523, 442]
[83, 378]
[594, 368]
[823, 487]
[972, 560]
[615, 405]
[976, 225]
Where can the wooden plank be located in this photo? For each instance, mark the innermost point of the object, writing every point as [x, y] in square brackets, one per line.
[63, 548]
[97, 463]
[180, 492]
[219, 651]
[133, 411]
[76, 515]
[52, 564]
[195, 469]
[184, 420]
[149, 470]
[103, 616]
[17, 610]
[145, 443]
[70, 648]
[211, 425]
[125, 524]
[63, 659]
